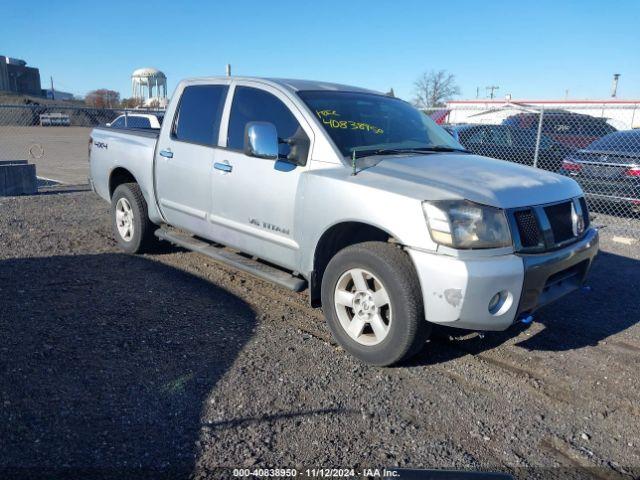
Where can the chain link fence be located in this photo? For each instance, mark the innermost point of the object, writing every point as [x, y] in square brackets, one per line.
[55, 137]
[595, 145]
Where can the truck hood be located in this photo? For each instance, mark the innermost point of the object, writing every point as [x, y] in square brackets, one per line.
[480, 179]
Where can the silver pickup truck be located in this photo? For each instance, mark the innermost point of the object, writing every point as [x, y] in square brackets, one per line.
[356, 196]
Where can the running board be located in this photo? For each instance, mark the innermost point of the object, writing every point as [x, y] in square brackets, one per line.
[258, 269]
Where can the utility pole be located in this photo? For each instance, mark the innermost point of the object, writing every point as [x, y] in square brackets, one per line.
[53, 94]
[491, 89]
[614, 85]
[477, 92]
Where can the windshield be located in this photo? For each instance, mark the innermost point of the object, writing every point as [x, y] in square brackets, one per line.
[365, 122]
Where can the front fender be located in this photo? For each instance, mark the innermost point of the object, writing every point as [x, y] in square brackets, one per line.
[333, 197]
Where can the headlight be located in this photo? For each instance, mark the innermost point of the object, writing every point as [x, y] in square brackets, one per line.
[464, 224]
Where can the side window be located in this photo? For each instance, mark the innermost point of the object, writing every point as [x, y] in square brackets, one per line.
[198, 117]
[138, 122]
[473, 135]
[253, 105]
[119, 123]
[523, 138]
[500, 137]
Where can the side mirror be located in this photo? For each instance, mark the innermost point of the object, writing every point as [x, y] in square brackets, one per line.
[261, 140]
[108, 124]
[300, 145]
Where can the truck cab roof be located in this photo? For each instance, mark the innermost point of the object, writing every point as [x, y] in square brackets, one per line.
[292, 85]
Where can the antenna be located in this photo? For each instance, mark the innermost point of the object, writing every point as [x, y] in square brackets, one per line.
[228, 69]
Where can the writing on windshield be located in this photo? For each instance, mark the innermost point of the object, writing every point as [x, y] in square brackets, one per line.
[358, 121]
[327, 117]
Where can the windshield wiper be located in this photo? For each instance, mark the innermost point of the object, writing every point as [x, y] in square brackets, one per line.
[441, 148]
[398, 151]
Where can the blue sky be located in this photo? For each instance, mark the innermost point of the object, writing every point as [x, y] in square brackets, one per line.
[530, 49]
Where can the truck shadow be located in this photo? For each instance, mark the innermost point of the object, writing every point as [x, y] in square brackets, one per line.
[106, 363]
[585, 318]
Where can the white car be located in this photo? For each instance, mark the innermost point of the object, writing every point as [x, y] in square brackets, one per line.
[138, 120]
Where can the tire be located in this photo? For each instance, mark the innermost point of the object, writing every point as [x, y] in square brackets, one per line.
[129, 209]
[385, 268]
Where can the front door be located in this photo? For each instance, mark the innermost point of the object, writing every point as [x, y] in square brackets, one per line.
[185, 158]
[255, 199]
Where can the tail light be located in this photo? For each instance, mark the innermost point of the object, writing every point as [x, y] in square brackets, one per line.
[633, 172]
[571, 166]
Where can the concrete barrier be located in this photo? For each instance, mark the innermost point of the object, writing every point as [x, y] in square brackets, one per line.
[17, 177]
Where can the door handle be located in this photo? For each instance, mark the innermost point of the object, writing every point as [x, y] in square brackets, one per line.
[224, 167]
[166, 153]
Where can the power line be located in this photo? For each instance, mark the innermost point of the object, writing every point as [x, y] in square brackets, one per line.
[491, 89]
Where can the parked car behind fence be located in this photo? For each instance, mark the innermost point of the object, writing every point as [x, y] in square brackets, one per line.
[138, 120]
[572, 129]
[54, 119]
[609, 168]
[510, 143]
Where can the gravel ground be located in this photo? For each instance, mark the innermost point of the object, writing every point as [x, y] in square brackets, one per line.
[171, 366]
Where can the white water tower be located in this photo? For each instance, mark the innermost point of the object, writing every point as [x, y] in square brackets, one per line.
[149, 85]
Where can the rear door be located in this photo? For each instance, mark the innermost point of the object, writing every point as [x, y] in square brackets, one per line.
[185, 157]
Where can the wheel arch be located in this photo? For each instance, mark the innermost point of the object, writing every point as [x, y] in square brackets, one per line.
[118, 176]
[334, 239]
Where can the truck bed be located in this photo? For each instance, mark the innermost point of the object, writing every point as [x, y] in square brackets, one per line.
[130, 149]
[141, 132]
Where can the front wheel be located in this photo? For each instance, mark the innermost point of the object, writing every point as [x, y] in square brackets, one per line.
[131, 224]
[373, 304]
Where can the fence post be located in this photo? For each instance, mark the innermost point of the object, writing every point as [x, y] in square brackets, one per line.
[126, 118]
[535, 155]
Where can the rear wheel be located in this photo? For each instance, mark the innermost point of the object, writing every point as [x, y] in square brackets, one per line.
[132, 227]
[373, 304]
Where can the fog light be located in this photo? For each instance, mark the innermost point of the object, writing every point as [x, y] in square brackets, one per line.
[494, 302]
[500, 303]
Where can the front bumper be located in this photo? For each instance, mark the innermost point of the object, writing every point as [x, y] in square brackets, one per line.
[552, 275]
[457, 292]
